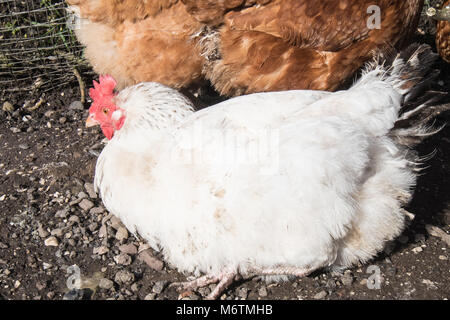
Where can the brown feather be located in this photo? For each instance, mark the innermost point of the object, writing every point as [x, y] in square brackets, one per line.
[443, 37]
[241, 46]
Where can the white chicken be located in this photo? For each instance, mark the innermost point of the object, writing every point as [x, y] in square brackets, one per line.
[242, 188]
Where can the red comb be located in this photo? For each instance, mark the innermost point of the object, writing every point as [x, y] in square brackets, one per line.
[104, 89]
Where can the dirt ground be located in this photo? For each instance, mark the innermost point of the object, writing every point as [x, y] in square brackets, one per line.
[50, 220]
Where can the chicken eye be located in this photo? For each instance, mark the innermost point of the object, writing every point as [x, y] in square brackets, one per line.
[105, 111]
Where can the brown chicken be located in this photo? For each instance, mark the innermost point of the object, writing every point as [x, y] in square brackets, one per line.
[443, 32]
[241, 46]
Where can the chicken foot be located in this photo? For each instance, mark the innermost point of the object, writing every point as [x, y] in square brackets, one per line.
[228, 276]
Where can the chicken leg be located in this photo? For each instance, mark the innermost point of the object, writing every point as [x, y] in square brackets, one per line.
[226, 277]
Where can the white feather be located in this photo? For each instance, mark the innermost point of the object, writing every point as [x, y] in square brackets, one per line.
[297, 178]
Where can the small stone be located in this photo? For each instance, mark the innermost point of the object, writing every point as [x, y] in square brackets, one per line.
[86, 204]
[103, 232]
[40, 285]
[7, 106]
[51, 295]
[347, 278]
[15, 130]
[123, 259]
[49, 113]
[51, 242]
[62, 213]
[331, 284]
[417, 250]
[74, 219]
[105, 284]
[93, 226]
[122, 234]
[115, 223]
[97, 210]
[322, 294]
[76, 105]
[143, 246]
[263, 292]
[159, 286]
[17, 284]
[89, 187]
[430, 284]
[243, 293]
[124, 276]
[441, 257]
[42, 232]
[363, 282]
[128, 249]
[24, 146]
[100, 250]
[150, 296]
[62, 120]
[151, 261]
[58, 232]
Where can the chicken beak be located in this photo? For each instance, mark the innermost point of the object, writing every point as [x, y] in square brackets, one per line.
[90, 122]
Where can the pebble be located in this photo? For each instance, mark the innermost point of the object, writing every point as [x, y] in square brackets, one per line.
[17, 284]
[15, 130]
[93, 226]
[124, 276]
[58, 232]
[62, 120]
[86, 204]
[123, 259]
[347, 278]
[40, 285]
[74, 219]
[204, 291]
[24, 146]
[263, 292]
[122, 234]
[76, 105]
[103, 233]
[150, 296]
[97, 210]
[7, 106]
[42, 232]
[441, 257]
[331, 284]
[159, 286]
[128, 249]
[322, 294]
[417, 250]
[100, 250]
[430, 284]
[151, 261]
[105, 284]
[243, 293]
[51, 242]
[89, 187]
[115, 223]
[62, 213]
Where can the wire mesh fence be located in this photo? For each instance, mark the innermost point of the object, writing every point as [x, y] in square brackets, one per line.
[37, 49]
